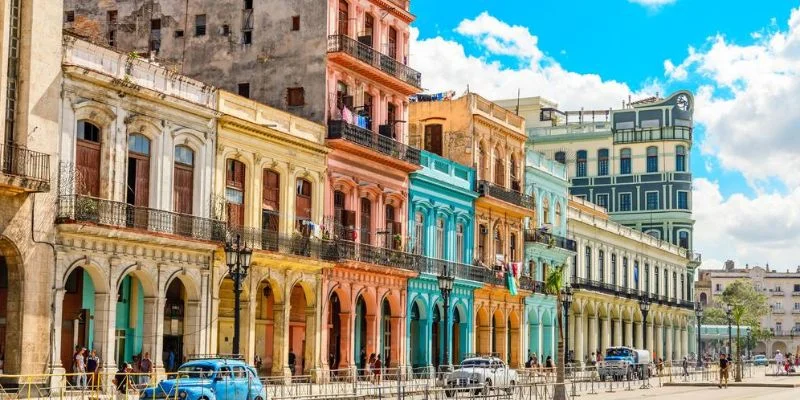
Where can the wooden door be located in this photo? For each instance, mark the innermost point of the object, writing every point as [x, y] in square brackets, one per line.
[87, 163]
[235, 192]
[433, 139]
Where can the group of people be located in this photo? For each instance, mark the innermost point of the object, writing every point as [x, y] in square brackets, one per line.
[538, 366]
[86, 367]
[374, 366]
[86, 370]
[786, 364]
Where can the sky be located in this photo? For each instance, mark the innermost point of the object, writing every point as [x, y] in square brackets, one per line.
[740, 59]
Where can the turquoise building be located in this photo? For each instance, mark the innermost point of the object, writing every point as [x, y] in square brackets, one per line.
[546, 246]
[441, 220]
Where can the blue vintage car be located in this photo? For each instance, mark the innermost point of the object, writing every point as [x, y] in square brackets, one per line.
[210, 378]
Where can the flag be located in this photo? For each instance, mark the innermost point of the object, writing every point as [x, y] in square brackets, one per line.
[512, 283]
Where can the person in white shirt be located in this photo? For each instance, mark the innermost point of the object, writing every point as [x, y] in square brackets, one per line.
[778, 362]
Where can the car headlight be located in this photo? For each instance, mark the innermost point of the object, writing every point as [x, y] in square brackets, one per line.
[182, 395]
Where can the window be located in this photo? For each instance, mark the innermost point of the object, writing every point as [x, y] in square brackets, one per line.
[666, 282]
[658, 287]
[625, 271]
[439, 239]
[303, 205]
[625, 161]
[718, 287]
[244, 89]
[602, 162]
[512, 172]
[366, 221]
[270, 200]
[613, 269]
[646, 277]
[247, 37]
[636, 278]
[602, 200]
[392, 43]
[778, 328]
[601, 266]
[652, 159]
[248, 4]
[226, 30]
[683, 293]
[797, 288]
[433, 138]
[183, 180]
[498, 243]
[459, 243]
[296, 23]
[683, 200]
[111, 19]
[797, 306]
[654, 233]
[674, 284]
[580, 165]
[138, 178]
[369, 27]
[295, 96]
[200, 25]
[512, 243]
[499, 169]
[683, 239]
[89, 132]
[588, 259]
[87, 158]
[680, 158]
[179, 33]
[234, 191]
[483, 234]
[419, 233]
[625, 202]
[69, 16]
[652, 200]
[778, 306]
[546, 210]
[561, 157]
[344, 18]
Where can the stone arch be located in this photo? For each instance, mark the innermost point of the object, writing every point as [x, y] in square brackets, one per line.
[370, 299]
[95, 271]
[309, 289]
[189, 284]
[140, 273]
[143, 125]
[778, 345]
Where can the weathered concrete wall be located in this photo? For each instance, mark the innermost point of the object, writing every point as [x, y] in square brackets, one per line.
[277, 58]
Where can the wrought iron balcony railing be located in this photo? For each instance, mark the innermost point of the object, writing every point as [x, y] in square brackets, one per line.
[468, 272]
[652, 134]
[530, 284]
[489, 189]
[296, 245]
[383, 62]
[24, 163]
[76, 208]
[549, 239]
[615, 290]
[374, 141]
[694, 257]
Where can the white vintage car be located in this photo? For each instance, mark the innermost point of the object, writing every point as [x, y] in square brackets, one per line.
[480, 375]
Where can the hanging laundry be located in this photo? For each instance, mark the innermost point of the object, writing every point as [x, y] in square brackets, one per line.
[347, 115]
[511, 282]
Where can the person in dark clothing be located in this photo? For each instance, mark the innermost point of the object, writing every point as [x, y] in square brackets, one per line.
[723, 370]
[121, 378]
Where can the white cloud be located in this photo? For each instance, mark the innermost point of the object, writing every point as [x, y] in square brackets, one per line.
[652, 4]
[759, 230]
[446, 65]
[749, 102]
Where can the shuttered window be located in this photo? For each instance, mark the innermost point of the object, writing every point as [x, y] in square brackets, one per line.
[87, 159]
[234, 191]
[366, 220]
[183, 185]
[303, 205]
[138, 192]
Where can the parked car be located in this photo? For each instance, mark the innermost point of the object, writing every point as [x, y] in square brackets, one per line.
[760, 360]
[210, 378]
[480, 375]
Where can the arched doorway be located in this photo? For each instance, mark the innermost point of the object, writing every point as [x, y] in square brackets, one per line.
[225, 313]
[174, 325]
[360, 330]
[334, 332]
[548, 336]
[483, 338]
[534, 334]
[513, 340]
[297, 331]
[499, 339]
[10, 308]
[436, 337]
[265, 326]
[459, 333]
[417, 341]
[77, 325]
[386, 334]
[129, 327]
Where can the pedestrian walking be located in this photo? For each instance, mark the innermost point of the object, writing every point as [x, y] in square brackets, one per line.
[685, 366]
[92, 369]
[778, 362]
[80, 369]
[146, 368]
[376, 367]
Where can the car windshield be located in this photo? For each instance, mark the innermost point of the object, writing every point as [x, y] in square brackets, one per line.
[618, 353]
[200, 371]
[475, 363]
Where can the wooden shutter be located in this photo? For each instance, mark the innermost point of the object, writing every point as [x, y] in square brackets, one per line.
[433, 139]
[88, 168]
[270, 195]
[183, 189]
[142, 182]
[303, 201]
[235, 180]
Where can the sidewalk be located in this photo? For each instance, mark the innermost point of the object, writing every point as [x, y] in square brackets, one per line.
[772, 381]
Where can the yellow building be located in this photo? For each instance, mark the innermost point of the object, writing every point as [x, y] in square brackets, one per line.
[475, 132]
[269, 187]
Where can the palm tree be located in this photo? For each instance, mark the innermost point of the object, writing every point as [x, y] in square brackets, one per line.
[554, 282]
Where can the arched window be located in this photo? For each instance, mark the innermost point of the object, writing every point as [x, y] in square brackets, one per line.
[138, 179]
[658, 291]
[647, 277]
[636, 278]
[513, 172]
[433, 138]
[183, 180]
[674, 284]
[234, 191]
[614, 269]
[602, 162]
[680, 158]
[703, 299]
[652, 159]
[366, 221]
[394, 229]
[546, 210]
[369, 26]
[654, 233]
[557, 222]
[561, 157]
[499, 169]
[419, 232]
[498, 242]
[625, 161]
[459, 243]
[440, 241]
[483, 238]
[271, 200]
[392, 43]
[344, 18]
[512, 243]
[87, 159]
[580, 164]
[303, 207]
[482, 163]
[601, 266]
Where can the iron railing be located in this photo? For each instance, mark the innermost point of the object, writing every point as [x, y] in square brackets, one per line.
[468, 272]
[18, 161]
[77, 208]
[530, 284]
[383, 62]
[652, 134]
[615, 290]
[694, 257]
[486, 188]
[551, 240]
[374, 141]
[296, 245]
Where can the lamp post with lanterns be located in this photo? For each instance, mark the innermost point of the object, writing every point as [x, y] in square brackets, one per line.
[446, 287]
[566, 302]
[237, 258]
[698, 312]
[644, 307]
[728, 314]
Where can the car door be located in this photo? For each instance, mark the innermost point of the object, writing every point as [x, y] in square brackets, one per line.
[501, 373]
[222, 384]
[240, 383]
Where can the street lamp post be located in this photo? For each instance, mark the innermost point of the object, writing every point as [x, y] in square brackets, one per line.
[644, 307]
[698, 312]
[446, 287]
[749, 340]
[566, 295]
[237, 257]
[728, 312]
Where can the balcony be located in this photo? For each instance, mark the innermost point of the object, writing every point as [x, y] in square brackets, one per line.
[378, 65]
[296, 245]
[365, 138]
[84, 209]
[468, 272]
[531, 285]
[549, 239]
[634, 294]
[489, 189]
[694, 258]
[778, 311]
[777, 293]
[24, 170]
[639, 135]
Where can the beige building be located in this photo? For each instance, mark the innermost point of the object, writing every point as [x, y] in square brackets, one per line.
[614, 269]
[29, 98]
[783, 295]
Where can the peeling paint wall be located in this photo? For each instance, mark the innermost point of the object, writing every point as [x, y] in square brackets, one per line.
[277, 58]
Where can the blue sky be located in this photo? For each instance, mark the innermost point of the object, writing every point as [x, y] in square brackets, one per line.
[739, 58]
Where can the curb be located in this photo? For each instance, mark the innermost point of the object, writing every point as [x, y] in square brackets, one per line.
[736, 384]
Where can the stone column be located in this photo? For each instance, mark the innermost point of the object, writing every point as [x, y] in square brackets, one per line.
[668, 351]
[346, 340]
[280, 337]
[618, 332]
[685, 340]
[605, 341]
[579, 338]
[628, 340]
[639, 334]
[658, 344]
[311, 355]
[592, 335]
[397, 342]
[105, 317]
[191, 329]
[57, 381]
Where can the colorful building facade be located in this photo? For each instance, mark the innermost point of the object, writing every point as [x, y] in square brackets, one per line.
[441, 214]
